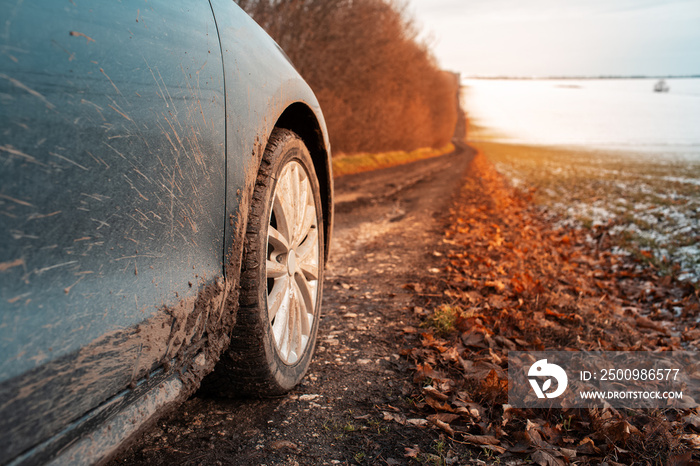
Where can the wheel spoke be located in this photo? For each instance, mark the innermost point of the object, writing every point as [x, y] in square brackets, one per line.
[301, 209]
[300, 317]
[274, 269]
[277, 240]
[279, 327]
[294, 201]
[301, 287]
[307, 256]
[284, 210]
[309, 247]
[310, 271]
[306, 226]
[291, 328]
[307, 298]
[293, 183]
[278, 298]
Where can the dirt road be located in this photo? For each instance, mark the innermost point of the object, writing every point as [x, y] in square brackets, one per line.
[387, 225]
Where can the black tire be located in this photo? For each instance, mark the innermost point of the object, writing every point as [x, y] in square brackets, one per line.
[257, 361]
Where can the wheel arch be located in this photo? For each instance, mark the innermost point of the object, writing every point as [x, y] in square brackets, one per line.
[298, 117]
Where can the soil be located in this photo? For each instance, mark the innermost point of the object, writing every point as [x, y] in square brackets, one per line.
[348, 409]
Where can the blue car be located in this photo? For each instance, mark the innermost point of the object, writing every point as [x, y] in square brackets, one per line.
[165, 215]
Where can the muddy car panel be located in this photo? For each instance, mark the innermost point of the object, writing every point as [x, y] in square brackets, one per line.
[130, 139]
[286, 101]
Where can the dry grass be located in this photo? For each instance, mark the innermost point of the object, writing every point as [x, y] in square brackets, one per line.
[356, 163]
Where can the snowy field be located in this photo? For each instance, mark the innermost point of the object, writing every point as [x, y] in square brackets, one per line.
[602, 152]
[651, 204]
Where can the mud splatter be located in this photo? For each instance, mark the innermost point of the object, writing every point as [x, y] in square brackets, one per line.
[114, 108]
[5, 266]
[11, 150]
[88, 39]
[114, 86]
[17, 201]
[66, 159]
[28, 89]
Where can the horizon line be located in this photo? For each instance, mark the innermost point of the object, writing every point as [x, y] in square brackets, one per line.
[582, 77]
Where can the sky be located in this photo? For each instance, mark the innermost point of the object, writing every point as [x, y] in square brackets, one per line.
[562, 37]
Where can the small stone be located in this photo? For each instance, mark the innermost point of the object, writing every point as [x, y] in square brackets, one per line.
[308, 397]
[364, 361]
[349, 315]
[280, 444]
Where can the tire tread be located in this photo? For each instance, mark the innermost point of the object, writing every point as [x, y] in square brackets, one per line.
[244, 368]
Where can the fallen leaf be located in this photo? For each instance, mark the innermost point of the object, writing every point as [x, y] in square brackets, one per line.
[587, 447]
[417, 422]
[481, 439]
[412, 452]
[645, 322]
[620, 431]
[444, 417]
[434, 393]
[496, 284]
[396, 417]
[548, 458]
[692, 420]
[495, 448]
[436, 404]
[444, 426]
[691, 439]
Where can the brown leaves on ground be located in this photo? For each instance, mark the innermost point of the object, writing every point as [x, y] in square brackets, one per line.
[514, 282]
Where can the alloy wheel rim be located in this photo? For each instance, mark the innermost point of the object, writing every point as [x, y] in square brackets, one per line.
[292, 264]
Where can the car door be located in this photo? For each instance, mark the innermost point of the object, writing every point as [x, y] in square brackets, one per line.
[112, 191]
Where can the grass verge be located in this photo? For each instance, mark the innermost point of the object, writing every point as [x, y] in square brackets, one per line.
[348, 164]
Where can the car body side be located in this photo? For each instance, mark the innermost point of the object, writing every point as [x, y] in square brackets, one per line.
[131, 138]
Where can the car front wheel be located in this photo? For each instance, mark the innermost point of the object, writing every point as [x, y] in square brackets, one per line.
[281, 276]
